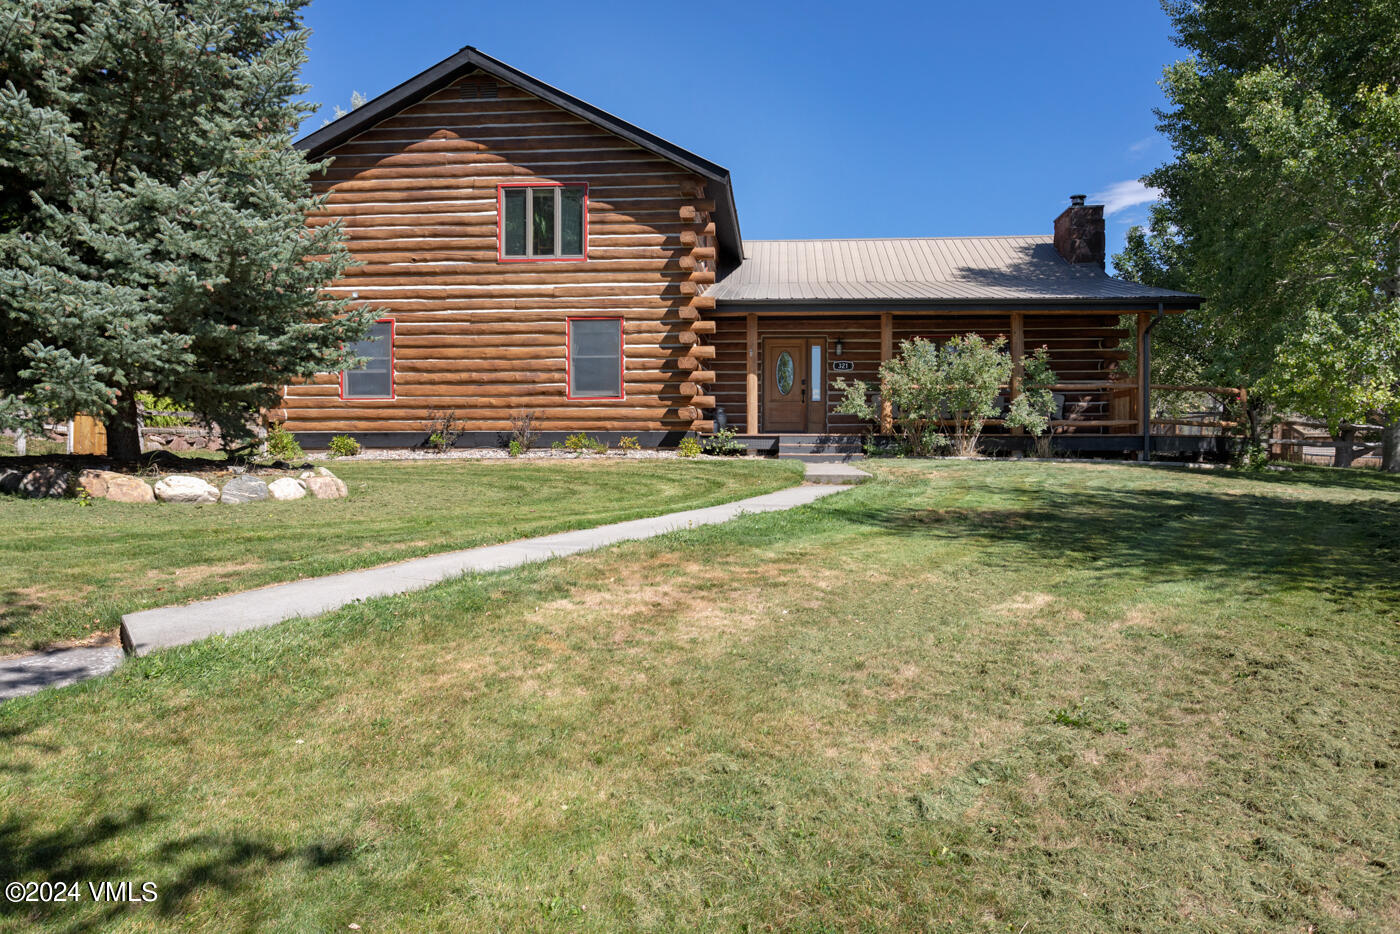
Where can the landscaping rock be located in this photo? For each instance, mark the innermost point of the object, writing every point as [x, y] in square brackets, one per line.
[336, 484]
[9, 480]
[286, 488]
[244, 490]
[118, 487]
[326, 487]
[184, 489]
[43, 482]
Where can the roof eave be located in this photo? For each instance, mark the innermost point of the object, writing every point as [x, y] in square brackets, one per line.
[471, 59]
[1176, 303]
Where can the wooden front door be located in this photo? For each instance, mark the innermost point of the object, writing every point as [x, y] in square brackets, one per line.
[793, 384]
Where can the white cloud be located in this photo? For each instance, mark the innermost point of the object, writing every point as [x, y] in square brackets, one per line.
[1123, 195]
[1141, 146]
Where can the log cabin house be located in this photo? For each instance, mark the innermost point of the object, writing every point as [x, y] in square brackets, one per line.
[531, 252]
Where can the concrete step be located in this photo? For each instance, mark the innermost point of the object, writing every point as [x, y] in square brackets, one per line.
[820, 445]
[819, 449]
[857, 440]
[835, 474]
[822, 458]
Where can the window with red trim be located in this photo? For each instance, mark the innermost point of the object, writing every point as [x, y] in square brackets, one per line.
[595, 358]
[542, 222]
[374, 377]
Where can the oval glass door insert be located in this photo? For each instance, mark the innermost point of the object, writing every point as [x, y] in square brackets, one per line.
[783, 376]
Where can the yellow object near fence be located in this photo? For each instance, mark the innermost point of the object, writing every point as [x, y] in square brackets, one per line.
[89, 435]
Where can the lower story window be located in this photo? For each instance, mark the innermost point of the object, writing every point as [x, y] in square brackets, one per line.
[374, 378]
[595, 358]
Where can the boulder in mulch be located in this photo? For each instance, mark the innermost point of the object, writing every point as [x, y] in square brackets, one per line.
[118, 487]
[46, 482]
[286, 488]
[185, 489]
[244, 490]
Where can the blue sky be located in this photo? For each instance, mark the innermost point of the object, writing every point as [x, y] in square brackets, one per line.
[852, 119]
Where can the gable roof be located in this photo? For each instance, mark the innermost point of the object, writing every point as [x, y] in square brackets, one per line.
[469, 59]
[928, 270]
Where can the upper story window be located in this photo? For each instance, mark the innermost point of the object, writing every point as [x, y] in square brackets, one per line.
[543, 222]
[374, 379]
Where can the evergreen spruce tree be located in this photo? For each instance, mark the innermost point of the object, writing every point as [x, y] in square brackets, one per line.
[152, 213]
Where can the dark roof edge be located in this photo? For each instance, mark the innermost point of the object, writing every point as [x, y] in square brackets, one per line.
[875, 306]
[470, 59]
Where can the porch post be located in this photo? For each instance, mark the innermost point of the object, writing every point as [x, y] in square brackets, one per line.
[886, 353]
[751, 375]
[1145, 323]
[1018, 357]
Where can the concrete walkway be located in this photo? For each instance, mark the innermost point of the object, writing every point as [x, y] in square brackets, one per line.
[177, 625]
[27, 674]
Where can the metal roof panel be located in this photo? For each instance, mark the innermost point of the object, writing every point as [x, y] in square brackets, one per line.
[958, 269]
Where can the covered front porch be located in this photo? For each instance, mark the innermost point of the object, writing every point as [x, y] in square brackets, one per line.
[774, 370]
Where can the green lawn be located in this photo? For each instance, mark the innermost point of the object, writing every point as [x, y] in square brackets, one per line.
[69, 569]
[968, 697]
[35, 444]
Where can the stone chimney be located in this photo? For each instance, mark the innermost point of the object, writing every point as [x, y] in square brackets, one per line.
[1079, 232]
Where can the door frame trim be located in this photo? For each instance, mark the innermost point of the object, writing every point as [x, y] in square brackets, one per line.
[809, 339]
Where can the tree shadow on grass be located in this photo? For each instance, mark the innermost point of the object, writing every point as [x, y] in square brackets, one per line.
[1354, 478]
[1347, 550]
[12, 738]
[181, 867]
[17, 611]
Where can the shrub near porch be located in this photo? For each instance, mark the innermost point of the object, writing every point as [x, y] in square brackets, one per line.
[968, 696]
[939, 397]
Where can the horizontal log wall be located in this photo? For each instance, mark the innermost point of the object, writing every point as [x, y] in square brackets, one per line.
[416, 196]
[1088, 347]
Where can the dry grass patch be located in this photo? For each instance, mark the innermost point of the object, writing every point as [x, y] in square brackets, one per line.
[1024, 605]
[198, 573]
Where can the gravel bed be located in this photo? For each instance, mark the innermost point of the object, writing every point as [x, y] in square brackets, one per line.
[417, 454]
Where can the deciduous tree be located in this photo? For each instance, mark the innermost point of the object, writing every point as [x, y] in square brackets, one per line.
[1282, 204]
